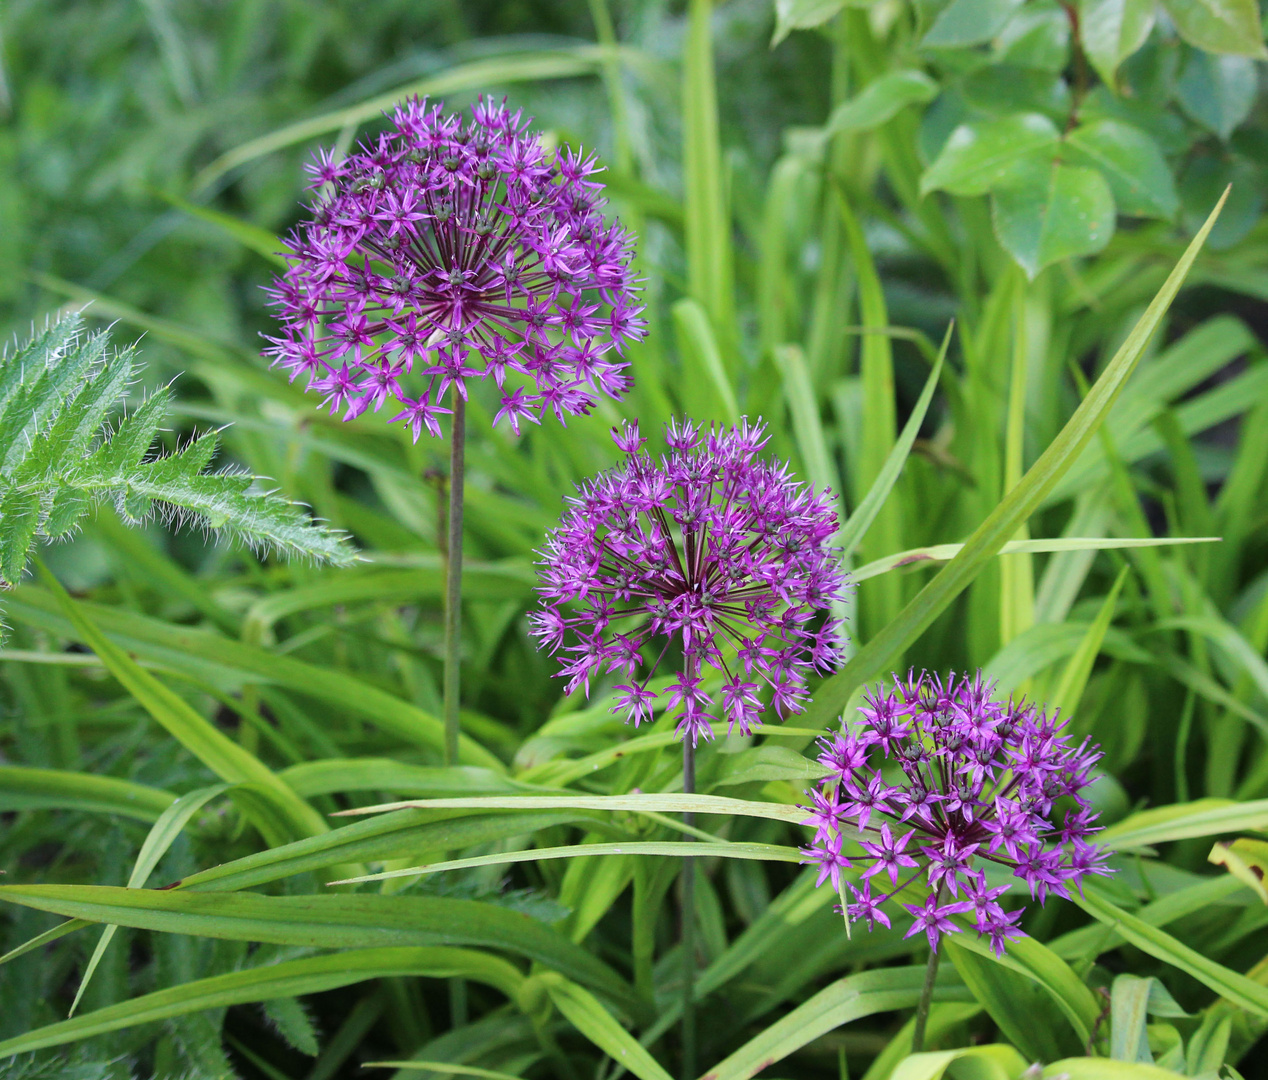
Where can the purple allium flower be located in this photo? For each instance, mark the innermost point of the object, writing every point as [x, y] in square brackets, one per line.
[444, 251]
[709, 548]
[977, 782]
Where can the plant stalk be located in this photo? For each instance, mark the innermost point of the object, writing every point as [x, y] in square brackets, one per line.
[687, 910]
[453, 579]
[926, 999]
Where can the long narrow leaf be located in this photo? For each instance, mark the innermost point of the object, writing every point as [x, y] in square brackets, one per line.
[1016, 508]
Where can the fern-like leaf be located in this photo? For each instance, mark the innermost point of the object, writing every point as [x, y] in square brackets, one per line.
[59, 457]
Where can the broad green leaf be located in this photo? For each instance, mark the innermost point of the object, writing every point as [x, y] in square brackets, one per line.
[1014, 1002]
[1133, 166]
[1219, 26]
[1036, 961]
[1016, 507]
[168, 827]
[588, 1016]
[1246, 860]
[1112, 30]
[328, 922]
[668, 848]
[1236, 987]
[881, 100]
[291, 978]
[212, 747]
[969, 22]
[29, 789]
[1129, 1016]
[1217, 91]
[793, 15]
[1050, 211]
[980, 157]
[992, 1062]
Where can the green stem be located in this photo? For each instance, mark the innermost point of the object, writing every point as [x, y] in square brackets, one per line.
[926, 999]
[687, 908]
[453, 579]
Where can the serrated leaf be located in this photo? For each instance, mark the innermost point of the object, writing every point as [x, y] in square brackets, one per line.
[1053, 211]
[1219, 26]
[979, 157]
[19, 520]
[69, 506]
[1112, 31]
[1132, 164]
[294, 1024]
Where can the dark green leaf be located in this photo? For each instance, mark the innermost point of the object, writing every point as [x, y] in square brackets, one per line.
[1133, 165]
[1053, 211]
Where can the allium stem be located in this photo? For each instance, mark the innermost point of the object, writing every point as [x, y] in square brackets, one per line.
[926, 999]
[687, 936]
[453, 579]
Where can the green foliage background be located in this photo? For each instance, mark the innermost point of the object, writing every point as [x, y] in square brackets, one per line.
[811, 216]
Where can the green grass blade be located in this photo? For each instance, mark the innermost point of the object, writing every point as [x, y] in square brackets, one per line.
[206, 655]
[589, 1017]
[288, 979]
[706, 391]
[160, 838]
[669, 848]
[943, 552]
[807, 428]
[710, 277]
[853, 531]
[845, 1000]
[1069, 690]
[23, 788]
[329, 922]
[671, 804]
[1184, 821]
[252, 237]
[1236, 987]
[214, 749]
[391, 836]
[1016, 507]
[476, 75]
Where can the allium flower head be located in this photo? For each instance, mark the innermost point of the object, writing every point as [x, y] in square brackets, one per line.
[708, 548]
[448, 250]
[976, 782]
